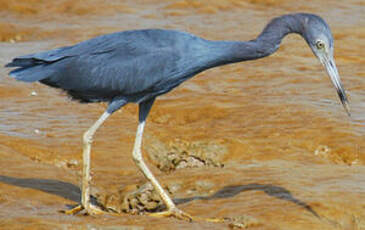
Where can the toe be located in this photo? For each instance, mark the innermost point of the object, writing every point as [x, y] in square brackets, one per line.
[181, 215]
[90, 210]
[173, 212]
[73, 211]
[95, 210]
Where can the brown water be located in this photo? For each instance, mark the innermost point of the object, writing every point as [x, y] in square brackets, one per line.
[264, 142]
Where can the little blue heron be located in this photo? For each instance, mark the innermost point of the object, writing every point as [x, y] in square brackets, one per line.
[136, 66]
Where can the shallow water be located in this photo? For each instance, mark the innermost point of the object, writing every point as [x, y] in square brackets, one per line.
[292, 158]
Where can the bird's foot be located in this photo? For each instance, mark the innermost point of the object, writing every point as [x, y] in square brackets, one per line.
[212, 220]
[181, 215]
[173, 212]
[74, 210]
[91, 210]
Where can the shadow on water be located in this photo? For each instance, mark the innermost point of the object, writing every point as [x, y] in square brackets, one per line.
[72, 192]
[233, 190]
[56, 187]
[63, 189]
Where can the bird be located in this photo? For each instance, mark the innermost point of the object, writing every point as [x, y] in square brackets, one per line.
[137, 66]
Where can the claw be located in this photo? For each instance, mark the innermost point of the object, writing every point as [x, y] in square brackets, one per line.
[173, 212]
[92, 210]
[177, 213]
[74, 210]
[212, 220]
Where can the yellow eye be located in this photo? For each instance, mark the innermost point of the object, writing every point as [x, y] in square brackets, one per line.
[320, 44]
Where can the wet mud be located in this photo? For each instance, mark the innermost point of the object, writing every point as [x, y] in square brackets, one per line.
[184, 154]
[261, 145]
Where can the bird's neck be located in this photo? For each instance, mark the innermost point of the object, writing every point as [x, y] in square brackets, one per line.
[264, 45]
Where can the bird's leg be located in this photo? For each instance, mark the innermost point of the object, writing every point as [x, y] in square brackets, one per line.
[172, 210]
[85, 191]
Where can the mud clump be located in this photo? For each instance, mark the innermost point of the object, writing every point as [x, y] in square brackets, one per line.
[182, 154]
[132, 199]
[337, 157]
[139, 199]
[67, 164]
[145, 199]
[242, 222]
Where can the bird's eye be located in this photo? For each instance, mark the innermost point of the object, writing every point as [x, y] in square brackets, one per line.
[320, 44]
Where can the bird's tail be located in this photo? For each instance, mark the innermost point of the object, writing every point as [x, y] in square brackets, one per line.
[29, 69]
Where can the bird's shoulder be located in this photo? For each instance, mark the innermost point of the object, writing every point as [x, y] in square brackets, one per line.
[141, 42]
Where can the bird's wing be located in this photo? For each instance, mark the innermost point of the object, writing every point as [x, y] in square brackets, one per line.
[39, 66]
[96, 45]
[133, 41]
[119, 72]
[125, 63]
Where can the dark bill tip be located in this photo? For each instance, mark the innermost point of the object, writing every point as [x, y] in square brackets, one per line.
[344, 101]
[335, 78]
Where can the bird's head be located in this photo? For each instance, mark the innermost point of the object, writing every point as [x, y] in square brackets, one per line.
[319, 38]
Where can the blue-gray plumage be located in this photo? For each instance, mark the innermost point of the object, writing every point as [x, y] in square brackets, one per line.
[139, 65]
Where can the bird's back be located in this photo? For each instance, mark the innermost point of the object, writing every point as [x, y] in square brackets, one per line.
[133, 64]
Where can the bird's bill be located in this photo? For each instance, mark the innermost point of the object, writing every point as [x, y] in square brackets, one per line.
[335, 78]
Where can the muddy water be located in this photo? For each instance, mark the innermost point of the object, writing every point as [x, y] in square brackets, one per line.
[265, 144]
